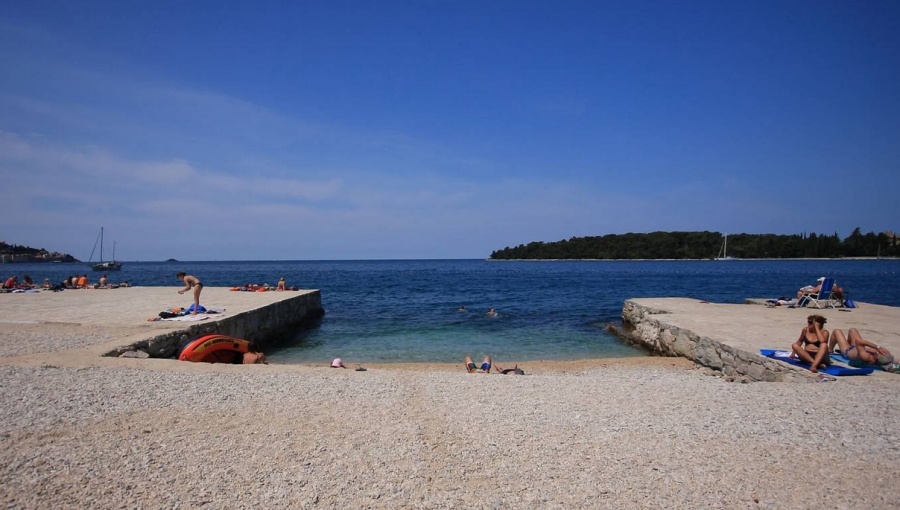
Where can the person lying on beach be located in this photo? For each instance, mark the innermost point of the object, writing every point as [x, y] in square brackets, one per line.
[191, 282]
[511, 371]
[485, 367]
[812, 345]
[858, 350]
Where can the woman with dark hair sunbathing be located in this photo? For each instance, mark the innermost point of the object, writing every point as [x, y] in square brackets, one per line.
[812, 345]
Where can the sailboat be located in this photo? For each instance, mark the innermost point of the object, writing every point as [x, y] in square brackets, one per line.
[723, 253]
[110, 265]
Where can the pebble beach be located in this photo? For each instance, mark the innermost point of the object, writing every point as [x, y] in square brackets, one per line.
[78, 431]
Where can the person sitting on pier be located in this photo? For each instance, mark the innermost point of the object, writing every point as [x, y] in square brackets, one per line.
[28, 282]
[82, 282]
[814, 289]
[104, 281]
[859, 351]
[812, 345]
[281, 285]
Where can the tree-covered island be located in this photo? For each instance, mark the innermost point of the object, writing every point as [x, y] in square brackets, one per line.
[707, 245]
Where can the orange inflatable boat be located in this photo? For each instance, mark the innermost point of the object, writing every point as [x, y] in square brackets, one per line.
[215, 349]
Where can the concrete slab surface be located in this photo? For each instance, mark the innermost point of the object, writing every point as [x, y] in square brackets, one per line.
[127, 306]
[751, 327]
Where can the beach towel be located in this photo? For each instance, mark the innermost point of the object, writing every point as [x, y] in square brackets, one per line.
[202, 309]
[835, 370]
[891, 367]
[187, 318]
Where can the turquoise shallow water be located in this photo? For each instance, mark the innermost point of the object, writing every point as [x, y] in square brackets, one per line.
[389, 311]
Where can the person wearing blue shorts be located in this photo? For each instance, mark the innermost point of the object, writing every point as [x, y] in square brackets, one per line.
[859, 351]
[485, 367]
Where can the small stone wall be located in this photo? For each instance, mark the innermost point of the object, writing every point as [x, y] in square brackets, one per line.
[647, 328]
[263, 327]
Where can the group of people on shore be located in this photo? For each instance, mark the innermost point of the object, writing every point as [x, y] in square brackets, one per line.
[485, 368]
[13, 283]
[76, 281]
[253, 287]
[815, 345]
[83, 282]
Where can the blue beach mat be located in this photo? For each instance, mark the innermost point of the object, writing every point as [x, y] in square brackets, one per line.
[844, 359]
[830, 370]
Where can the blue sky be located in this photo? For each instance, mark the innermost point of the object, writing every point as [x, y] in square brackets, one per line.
[425, 129]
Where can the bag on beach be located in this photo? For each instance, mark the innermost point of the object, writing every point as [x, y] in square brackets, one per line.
[849, 303]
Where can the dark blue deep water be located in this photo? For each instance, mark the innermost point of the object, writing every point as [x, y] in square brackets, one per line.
[405, 310]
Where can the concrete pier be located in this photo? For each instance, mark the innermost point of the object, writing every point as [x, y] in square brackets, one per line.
[728, 337]
[130, 313]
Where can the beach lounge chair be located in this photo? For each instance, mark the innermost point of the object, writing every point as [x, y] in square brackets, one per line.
[825, 298]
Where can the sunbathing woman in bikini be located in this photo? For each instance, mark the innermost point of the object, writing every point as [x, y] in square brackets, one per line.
[191, 282]
[859, 351]
[812, 346]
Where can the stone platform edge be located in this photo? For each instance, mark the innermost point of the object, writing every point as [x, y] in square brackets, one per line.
[646, 327]
[263, 327]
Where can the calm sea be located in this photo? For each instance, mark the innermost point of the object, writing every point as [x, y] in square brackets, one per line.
[406, 310]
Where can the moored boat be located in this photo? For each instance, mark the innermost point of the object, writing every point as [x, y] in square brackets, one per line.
[109, 265]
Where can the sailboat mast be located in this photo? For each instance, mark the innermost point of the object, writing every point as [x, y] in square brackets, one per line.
[101, 244]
